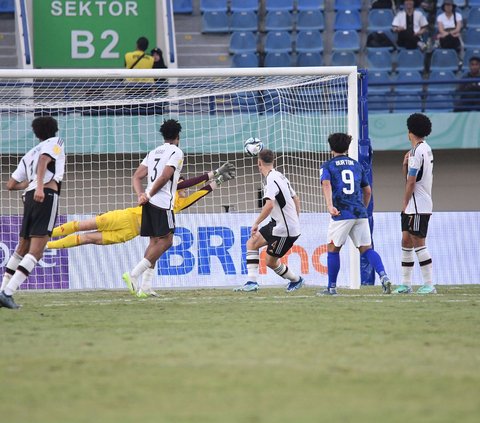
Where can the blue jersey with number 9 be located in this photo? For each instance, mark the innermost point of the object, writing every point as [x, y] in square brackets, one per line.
[347, 178]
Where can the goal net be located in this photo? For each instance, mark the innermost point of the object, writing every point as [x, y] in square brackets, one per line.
[110, 119]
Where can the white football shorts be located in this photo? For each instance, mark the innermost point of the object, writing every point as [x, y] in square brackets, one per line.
[357, 229]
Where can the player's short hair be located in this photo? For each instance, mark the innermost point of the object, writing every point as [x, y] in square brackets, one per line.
[419, 125]
[170, 129]
[266, 156]
[142, 43]
[44, 127]
[339, 142]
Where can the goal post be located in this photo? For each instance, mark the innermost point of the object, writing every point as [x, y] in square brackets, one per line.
[110, 119]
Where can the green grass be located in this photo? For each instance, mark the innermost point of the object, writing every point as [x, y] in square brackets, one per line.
[218, 356]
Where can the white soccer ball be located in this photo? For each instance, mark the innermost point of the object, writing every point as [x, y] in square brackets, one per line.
[253, 146]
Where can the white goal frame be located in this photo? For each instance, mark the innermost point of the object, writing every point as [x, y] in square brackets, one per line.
[99, 74]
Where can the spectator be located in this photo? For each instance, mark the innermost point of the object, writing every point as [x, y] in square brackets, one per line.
[138, 59]
[410, 25]
[160, 83]
[449, 27]
[469, 93]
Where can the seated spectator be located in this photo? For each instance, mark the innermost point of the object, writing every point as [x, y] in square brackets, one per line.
[469, 93]
[449, 25]
[410, 25]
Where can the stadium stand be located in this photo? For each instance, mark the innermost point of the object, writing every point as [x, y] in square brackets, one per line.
[279, 20]
[310, 20]
[245, 60]
[244, 5]
[346, 41]
[408, 77]
[380, 19]
[278, 60]
[473, 17]
[344, 58]
[285, 5]
[348, 4]
[215, 22]
[7, 6]
[243, 42]
[309, 59]
[346, 20]
[439, 103]
[244, 21]
[182, 6]
[213, 6]
[443, 59]
[278, 42]
[310, 5]
[410, 60]
[379, 59]
[440, 75]
[309, 42]
[471, 38]
[375, 77]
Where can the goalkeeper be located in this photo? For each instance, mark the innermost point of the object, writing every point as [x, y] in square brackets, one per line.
[119, 226]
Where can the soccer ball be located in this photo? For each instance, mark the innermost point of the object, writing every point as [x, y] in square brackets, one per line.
[253, 146]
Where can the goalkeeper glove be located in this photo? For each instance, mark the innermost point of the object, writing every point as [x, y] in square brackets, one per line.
[224, 177]
[225, 168]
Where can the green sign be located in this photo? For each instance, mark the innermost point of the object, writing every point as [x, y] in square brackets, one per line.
[90, 33]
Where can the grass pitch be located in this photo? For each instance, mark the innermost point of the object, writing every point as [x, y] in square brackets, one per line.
[219, 356]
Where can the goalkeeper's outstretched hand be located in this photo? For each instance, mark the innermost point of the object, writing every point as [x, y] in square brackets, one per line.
[223, 169]
[224, 177]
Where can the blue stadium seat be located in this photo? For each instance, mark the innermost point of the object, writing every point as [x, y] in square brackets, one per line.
[440, 75]
[380, 19]
[346, 20]
[348, 4]
[439, 102]
[243, 42]
[379, 59]
[272, 5]
[278, 42]
[404, 102]
[213, 6]
[244, 21]
[410, 77]
[309, 42]
[310, 5]
[378, 77]
[473, 17]
[279, 20]
[379, 103]
[182, 6]
[244, 5]
[410, 60]
[471, 52]
[310, 20]
[346, 40]
[387, 32]
[245, 60]
[309, 59]
[473, 3]
[443, 59]
[215, 22]
[471, 38]
[278, 60]
[344, 58]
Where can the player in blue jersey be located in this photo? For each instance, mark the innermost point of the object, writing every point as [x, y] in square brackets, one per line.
[347, 195]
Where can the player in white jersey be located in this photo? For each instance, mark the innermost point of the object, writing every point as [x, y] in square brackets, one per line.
[39, 173]
[417, 205]
[283, 206]
[162, 168]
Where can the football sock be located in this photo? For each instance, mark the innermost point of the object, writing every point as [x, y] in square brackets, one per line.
[283, 271]
[23, 270]
[67, 242]
[141, 267]
[376, 262]
[147, 278]
[408, 260]
[425, 261]
[253, 260]
[10, 269]
[65, 229]
[333, 264]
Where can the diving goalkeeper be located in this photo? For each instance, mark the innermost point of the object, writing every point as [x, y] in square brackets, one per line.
[119, 226]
